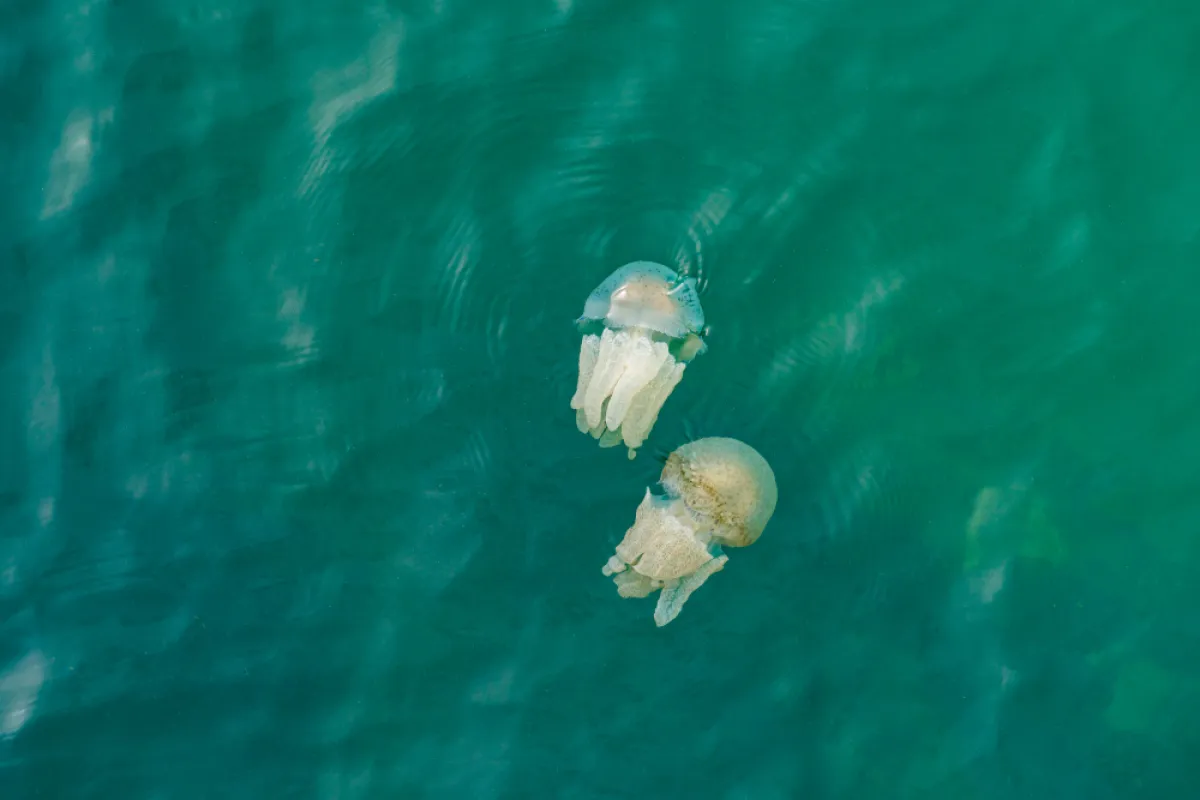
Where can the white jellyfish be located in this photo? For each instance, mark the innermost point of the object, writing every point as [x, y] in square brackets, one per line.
[641, 326]
[717, 492]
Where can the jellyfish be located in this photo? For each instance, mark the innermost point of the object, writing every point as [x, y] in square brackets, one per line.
[641, 327]
[717, 492]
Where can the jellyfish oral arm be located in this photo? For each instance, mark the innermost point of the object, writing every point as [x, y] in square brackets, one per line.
[631, 583]
[663, 550]
[676, 593]
[625, 377]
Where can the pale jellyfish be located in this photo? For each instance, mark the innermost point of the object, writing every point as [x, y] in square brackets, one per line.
[641, 326]
[718, 492]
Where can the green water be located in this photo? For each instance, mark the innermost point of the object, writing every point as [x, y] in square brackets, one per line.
[292, 502]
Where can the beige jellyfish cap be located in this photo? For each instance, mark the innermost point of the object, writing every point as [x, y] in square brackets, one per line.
[726, 481]
[649, 295]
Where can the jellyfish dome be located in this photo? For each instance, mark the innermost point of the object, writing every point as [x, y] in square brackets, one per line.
[641, 327]
[718, 493]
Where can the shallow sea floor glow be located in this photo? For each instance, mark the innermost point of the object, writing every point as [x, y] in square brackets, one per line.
[291, 501]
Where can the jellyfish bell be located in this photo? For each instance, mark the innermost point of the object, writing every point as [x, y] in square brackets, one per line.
[717, 493]
[644, 294]
[728, 482]
[641, 326]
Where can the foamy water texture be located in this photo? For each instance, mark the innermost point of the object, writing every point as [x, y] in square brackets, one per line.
[292, 499]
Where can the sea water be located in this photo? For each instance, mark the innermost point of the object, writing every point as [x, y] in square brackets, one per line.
[292, 502]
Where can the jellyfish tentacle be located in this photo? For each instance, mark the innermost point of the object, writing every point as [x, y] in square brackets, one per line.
[613, 566]
[634, 584]
[643, 367]
[656, 397]
[610, 437]
[589, 351]
[609, 366]
[639, 418]
[676, 593]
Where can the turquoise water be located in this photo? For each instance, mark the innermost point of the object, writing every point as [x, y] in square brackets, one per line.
[292, 502]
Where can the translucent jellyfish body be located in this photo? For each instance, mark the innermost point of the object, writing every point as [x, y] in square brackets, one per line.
[718, 492]
[641, 326]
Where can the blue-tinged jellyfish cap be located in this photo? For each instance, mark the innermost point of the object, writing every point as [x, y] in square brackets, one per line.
[644, 294]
